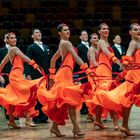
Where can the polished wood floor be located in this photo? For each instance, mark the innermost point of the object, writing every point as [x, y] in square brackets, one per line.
[42, 131]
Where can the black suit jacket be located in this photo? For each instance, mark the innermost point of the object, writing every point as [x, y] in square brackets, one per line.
[8, 66]
[42, 58]
[115, 67]
[82, 52]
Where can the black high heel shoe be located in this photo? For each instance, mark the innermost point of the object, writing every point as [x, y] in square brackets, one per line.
[57, 133]
[77, 133]
[126, 131]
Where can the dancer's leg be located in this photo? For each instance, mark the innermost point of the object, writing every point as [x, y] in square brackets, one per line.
[98, 121]
[73, 117]
[125, 128]
[29, 121]
[11, 118]
[114, 116]
[126, 113]
[55, 130]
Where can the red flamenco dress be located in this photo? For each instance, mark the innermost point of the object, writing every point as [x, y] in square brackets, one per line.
[19, 92]
[62, 93]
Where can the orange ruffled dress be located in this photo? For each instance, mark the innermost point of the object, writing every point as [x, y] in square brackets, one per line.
[104, 69]
[19, 92]
[125, 94]
[62, 93]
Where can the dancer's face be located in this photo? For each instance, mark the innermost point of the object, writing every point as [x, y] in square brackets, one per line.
[65, 32]
[104, 31]
[117, 39]
[135, 31]
[94, 40]
[12, 40]
[37, 35]
[84, 36]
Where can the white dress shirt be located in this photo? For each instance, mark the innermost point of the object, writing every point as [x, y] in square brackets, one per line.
[85, 43]
[40, 44]
[7, 46]
[119, 48]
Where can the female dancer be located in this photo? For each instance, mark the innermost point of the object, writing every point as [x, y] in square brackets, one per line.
[17, 96]
[105, 58]
[64, 95]
[121, 98]
[92, 57]
[93, 50]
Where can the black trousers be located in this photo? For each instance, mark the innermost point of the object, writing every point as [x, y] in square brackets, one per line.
[84, 109]
[4, 85]
[41, 118]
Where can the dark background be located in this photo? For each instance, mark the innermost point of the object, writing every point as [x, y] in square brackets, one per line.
[21, 16]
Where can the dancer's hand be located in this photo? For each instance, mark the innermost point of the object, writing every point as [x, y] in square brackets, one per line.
[28, 77]
[121, 67]
[38, 69]
[126, 65]
[51, 77]
[91, 75]
[34, 65]
[2, 80]
[119, 63]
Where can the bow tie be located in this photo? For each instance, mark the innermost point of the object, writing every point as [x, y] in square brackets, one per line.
[39, 43]
[119, 46]
[87, 43]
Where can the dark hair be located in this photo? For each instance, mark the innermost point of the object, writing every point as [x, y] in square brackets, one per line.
[93, 35]
[33, 31]
[131, 26]
[115, 36]
[82, 31]
[100, 26]
[60, 26]
[6, 36]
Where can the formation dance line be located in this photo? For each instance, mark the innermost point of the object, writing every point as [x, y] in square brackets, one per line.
[61, 95]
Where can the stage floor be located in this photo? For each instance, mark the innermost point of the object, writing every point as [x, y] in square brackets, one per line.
[42, 131]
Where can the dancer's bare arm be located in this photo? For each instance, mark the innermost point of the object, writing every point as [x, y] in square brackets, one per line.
[52, 66]
[78, 60]
[91, 56]
[18, 52]
[54, 59]
[104, 48]
[70, 48]
[25, 58]
[130, 51]
[3, 63]
[131, 48]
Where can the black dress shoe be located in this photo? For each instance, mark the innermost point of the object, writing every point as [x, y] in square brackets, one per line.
[44, 121]
[37, 122]
[84, 113]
